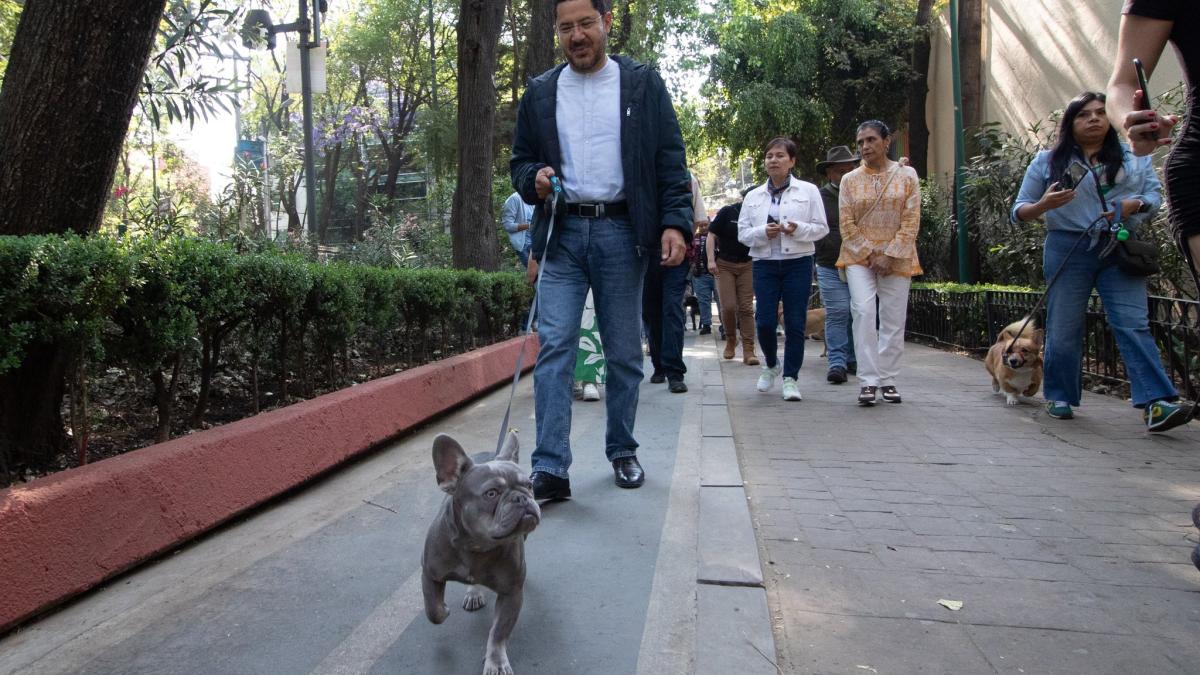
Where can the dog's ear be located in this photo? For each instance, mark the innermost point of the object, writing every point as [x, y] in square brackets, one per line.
[450, 461]
[509, 452]
[1039, 336]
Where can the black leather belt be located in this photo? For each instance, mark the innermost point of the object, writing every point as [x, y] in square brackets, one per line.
[598, 210]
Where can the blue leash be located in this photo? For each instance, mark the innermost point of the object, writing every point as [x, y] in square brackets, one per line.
[533, 306]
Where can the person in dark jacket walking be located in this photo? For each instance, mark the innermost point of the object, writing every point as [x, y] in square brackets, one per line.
[605, 127]
[835, 293]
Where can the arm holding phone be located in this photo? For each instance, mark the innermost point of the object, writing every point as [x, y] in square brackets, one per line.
[1128, 101]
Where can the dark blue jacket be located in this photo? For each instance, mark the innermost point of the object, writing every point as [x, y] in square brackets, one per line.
[652, 154]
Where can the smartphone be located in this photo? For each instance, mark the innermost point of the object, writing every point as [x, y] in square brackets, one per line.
[1142, 84]
[1072, 177]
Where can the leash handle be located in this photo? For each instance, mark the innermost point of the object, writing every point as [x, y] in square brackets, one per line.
[552, 200]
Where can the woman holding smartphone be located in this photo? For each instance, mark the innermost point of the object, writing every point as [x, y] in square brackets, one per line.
[1088, 147]
[779, 222]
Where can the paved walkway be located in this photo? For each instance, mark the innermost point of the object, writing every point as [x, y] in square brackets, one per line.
[661, 580]
[1067, 542]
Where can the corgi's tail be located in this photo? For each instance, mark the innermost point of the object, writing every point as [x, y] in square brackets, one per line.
[1014, 329]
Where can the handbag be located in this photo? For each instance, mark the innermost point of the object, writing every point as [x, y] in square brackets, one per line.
[1137, 258]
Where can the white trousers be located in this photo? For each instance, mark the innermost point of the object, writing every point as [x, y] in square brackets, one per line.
[878, 350]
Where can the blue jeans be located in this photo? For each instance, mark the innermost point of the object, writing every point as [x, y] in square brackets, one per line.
[1124, 300]
[662, 310]
[788, 280]
[703, 286]
[835, 295]
[603, 254]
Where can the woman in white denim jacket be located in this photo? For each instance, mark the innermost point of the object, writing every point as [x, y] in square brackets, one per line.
[780, 220]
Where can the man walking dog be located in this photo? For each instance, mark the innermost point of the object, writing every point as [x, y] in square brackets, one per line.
[606, 128]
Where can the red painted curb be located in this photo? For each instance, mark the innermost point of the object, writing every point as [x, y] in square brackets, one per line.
[66, 533]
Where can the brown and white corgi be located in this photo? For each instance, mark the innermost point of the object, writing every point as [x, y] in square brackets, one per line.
[1016, 371]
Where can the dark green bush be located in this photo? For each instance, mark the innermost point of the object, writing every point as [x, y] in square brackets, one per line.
[180, 310]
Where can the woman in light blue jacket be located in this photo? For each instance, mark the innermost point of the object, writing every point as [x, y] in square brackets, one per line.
[780, 220]
[1064, 184]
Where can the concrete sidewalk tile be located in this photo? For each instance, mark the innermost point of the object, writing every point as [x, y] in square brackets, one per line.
[1014, 650]
[713, 395]
[712, 378]
[975, 563]
[719, 462]
[733, 632]
[727, 549]
[714, 421]
[1043, 570]
[835, 644]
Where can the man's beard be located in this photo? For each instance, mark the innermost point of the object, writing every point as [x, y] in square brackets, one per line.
[586, 63]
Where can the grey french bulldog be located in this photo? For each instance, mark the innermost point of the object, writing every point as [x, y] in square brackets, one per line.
[478, 538]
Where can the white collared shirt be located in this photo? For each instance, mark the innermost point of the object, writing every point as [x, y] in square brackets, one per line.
[588, 109]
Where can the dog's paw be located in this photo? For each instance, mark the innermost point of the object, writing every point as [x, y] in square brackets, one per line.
[1011, 399]
[438, 615]
[474, 600]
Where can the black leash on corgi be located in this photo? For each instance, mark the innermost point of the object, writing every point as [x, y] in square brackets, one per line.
[1063, 265]
[552, 199]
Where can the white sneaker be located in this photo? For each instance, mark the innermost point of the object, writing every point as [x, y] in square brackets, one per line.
[767, 379]
[590, 392]
[791, 392]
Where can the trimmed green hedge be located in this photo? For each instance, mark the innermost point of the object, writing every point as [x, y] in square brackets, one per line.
[182, 309]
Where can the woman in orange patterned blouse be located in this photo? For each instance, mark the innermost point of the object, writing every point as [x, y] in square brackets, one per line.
[880, 211]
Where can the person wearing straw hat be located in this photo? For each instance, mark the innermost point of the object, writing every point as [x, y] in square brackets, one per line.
[835, 293]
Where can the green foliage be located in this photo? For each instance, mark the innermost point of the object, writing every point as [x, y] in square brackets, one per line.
[58, 289]
[808, 69]
[148, 300]
[10, 14]
[935, 240]
[175, 87]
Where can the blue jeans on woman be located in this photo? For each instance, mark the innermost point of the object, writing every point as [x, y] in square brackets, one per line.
[788, 280]
[835, 296]
[603, 254]
[1124, 300]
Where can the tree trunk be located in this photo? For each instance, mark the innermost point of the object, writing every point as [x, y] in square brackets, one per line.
[918, 130]
[69, 89]
[472, 222]
[31, 424]
[970, 42]
[539, 55]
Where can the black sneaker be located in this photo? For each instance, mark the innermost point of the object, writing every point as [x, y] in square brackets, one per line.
[721, 331]
[549, 488]
[836, 375]
[706, 330]
[852, 368]
[677, 386]
[658, 377]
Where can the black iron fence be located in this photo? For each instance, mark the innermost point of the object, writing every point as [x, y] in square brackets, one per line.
[970, 321]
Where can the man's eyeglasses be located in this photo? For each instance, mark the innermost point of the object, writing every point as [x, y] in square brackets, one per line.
[566, 29]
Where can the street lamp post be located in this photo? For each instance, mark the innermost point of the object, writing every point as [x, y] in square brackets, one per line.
[960, 202]
[258, 25]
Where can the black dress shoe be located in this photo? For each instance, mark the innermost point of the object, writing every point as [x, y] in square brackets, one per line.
[706, 330]
[548, 487]
[658, 377]
[836, 375]
[628, 472]
[677, 386]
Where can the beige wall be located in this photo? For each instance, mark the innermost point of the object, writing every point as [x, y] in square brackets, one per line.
[1037, 56]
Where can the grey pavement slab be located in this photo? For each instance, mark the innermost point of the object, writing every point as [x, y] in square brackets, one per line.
[1067, 541]
[728, 552]
[734, 638]
[719, 463]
